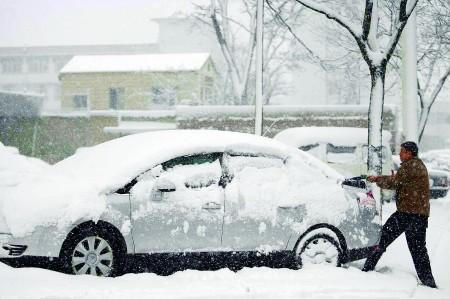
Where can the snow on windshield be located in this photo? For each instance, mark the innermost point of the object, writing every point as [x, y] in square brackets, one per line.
[14, 167]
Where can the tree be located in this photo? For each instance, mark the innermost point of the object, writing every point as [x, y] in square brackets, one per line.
[433, 48]
[236, 36]
[376, 51]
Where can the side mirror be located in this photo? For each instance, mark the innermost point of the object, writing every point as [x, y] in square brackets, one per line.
[164, 185]
[161, 188]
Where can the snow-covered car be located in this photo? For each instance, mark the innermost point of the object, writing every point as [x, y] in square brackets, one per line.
[437, 159]
[342, 148]
[187, 191]
[439, 179]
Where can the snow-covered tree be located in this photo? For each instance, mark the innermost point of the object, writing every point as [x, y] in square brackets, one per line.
[433, 48]
[376, 51]
[234, 25]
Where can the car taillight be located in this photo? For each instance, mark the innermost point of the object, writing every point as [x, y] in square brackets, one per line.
[444, 182]
[367, 200]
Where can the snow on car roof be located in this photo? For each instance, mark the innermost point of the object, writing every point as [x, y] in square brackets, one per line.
[112, 164]
[338, 136]
[136, 63]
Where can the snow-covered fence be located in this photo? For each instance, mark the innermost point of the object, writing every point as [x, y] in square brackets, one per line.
[53, 137]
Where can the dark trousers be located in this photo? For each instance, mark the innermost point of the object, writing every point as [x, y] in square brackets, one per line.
[415, 228]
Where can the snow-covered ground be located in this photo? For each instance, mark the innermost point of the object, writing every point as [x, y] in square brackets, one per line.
[395, 278]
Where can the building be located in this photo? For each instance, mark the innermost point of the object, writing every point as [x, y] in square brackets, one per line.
[36, 69]
[137, 82]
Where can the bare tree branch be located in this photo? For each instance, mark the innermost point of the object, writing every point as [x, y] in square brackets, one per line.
[426, 112]
[296, 37]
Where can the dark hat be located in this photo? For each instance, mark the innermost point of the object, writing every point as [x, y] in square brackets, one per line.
[411, 147]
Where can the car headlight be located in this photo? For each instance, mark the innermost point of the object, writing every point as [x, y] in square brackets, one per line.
[4, 238]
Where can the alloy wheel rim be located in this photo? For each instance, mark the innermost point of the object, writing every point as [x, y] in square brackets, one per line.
[93, 255]
[320, 251]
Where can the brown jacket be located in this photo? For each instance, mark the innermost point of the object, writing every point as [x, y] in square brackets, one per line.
[412, 187]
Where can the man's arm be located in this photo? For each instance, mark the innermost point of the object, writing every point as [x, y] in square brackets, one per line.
[384, 181]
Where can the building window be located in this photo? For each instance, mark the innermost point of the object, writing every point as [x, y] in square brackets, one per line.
[11, 65]
[116, 98]
[38, 65]
[164, 96]
[80, 102]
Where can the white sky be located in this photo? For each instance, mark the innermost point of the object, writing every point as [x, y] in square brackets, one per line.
[81, 22]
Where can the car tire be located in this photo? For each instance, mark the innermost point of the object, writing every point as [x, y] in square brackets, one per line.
[318, 249]
[93, 250]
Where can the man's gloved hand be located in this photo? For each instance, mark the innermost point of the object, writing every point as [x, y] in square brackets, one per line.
[373, 178]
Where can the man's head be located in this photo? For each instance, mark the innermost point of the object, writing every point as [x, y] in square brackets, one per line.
[408, 150]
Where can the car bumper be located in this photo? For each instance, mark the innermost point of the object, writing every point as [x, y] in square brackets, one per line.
[437, 192]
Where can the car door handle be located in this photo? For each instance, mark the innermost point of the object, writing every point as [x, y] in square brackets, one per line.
[212, 206]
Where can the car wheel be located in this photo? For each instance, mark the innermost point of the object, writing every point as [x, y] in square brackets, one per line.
[94, 251]
[319, 249]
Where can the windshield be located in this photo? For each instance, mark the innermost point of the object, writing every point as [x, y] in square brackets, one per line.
[341, 154]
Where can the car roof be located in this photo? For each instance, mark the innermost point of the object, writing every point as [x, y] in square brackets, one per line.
[111, 164]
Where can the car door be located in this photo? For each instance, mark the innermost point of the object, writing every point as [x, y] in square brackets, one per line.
[178, 206]
[251, 203]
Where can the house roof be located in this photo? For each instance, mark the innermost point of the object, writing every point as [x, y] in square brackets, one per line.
[136, 63]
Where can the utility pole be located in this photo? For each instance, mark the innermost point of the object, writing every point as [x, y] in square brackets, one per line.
[410, 112]
[259, 68]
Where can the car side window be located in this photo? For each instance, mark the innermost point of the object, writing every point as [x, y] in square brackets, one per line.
[191, 160]
[254, 182]
[308, 147]
[235, 164]
[180, 174]
[197, 171]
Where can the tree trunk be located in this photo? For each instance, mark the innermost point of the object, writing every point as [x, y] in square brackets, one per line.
[375, 119]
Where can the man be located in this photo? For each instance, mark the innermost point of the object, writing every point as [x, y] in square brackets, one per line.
[413, 209]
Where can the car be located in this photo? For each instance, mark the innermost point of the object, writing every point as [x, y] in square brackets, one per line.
[439, 180]
[437, 159]
[185, 192]
[342, 148]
